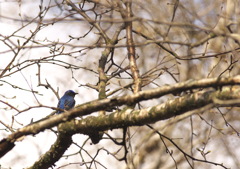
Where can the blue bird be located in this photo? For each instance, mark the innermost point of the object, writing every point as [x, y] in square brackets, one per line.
[67, 101]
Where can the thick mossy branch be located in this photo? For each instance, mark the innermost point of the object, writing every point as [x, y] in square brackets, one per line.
[55, 153]
[97, 105]
[130, 117]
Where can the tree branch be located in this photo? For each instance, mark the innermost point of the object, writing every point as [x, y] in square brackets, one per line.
[55, 153]
[89, 107]
[130, 117]
[131, 50]
[88, 19]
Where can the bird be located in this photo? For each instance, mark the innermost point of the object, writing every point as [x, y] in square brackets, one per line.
[67, 101]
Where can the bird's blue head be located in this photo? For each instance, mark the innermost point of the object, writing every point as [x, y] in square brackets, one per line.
[70, 93]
